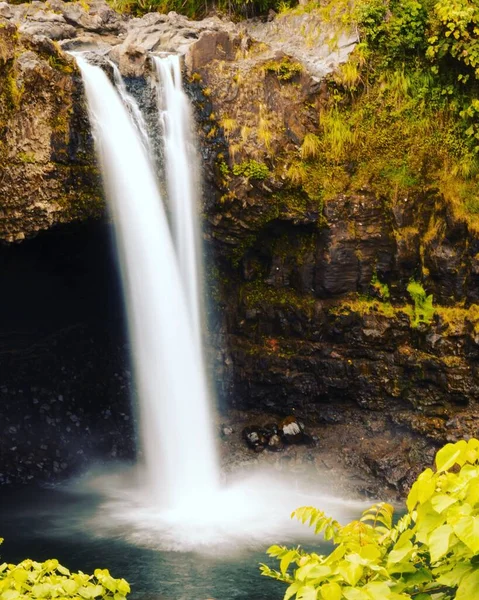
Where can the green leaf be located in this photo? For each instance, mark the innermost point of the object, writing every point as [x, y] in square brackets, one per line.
[331, 591]
[307, 592]
[439, 542]
[20, 575]
[377, 590]
[350, 572]
[467, 530]
[370, 553]
[453, 577]
[318, 572]
[468, 587]
[449, 455]
[399, 554]
[272, 551]
[63, 570]
[442, 501]
[355, 594]
[286, 561]
[69, 586]
[292, 589]
[123, 586]
[97, 590]
[10, 595]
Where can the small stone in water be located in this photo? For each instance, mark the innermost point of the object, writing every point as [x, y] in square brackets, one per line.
[270, 429]
[255, 438]
[292, 430]
[275, 443]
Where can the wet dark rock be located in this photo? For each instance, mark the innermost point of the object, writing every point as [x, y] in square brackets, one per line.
[270, 429]
[393, 468]
[292, 430]
[275, 443]
[255, 438]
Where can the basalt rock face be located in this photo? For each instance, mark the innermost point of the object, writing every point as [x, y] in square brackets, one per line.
[48, 173]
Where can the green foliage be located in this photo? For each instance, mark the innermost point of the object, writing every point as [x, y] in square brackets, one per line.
[26, 157]
[31, 579]
[252, 169]
[195, 9]
[381, 289]
[430, 553]
[285, 69]
[439, 37]
[311, 146]
[338, 135]
[223, 167]
[423, 308]
[402, 115]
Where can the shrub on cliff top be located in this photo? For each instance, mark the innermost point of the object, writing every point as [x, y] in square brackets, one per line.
[431, 553]
[31, 579]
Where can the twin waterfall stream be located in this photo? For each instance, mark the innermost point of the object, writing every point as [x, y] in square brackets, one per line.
[160, 266]
[173, 500]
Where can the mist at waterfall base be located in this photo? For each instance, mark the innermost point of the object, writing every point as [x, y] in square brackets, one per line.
[173, 500]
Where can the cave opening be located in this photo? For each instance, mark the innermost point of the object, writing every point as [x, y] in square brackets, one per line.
[64, 368]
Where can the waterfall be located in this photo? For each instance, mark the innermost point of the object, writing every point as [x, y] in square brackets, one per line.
[175, 422]
[182, 179]
[132, 107]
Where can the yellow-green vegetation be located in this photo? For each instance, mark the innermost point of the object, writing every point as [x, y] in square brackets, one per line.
[402, 115]
[26, 157]
[252, 169]
[311, 147]
[229, 125]
[284, 69]
[458, 317]
[13, 93]
[195, 8]
[60, 63]
[49, 579]
[423, 308]
[381, 289]
[364, 305]
[257, 294]
[430, 553]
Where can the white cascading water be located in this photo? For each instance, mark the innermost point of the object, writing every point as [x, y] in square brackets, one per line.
[182, 179]
[176, 425]
[187, 510]
[132, 107]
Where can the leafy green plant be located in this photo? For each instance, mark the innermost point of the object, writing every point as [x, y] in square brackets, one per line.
[430, 553]
[252, 169]
[285, 69]
[381, 289]
[49, 579]
[196, 8]
[423, 308]
[311, 146]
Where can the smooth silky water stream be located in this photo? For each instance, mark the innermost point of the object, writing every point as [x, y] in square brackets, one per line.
[176, 425]
[130, 519]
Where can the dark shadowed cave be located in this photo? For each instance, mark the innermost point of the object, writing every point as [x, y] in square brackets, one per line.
[64, 355]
